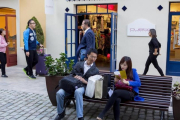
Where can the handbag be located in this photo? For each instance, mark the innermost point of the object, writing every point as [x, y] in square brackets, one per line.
[106, 85]
[99, 89]
[121, 85]
[82, 54]
[70, 84]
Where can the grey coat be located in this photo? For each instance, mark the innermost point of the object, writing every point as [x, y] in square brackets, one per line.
[79, 70]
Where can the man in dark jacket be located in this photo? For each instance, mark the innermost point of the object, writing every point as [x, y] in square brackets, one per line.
[88, 40]
[30, 44]
[82, 70]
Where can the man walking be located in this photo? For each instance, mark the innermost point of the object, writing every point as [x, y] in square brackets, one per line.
[87, 42]
[87, 69]
[30, 44]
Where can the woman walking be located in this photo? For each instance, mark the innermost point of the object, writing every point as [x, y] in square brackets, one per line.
[121, 93]
[154, 49]
[3, 45]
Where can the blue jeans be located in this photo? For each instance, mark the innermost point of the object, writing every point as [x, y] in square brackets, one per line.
[78, 94]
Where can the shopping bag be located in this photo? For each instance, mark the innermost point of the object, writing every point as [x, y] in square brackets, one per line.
[99, 89]
[91, 85]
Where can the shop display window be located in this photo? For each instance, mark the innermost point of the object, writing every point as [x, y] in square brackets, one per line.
[91, 9]
[81, 9]
[175, 7]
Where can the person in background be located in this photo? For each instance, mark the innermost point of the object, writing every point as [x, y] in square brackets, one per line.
[120, 95]
[87, 42]
[154, 51]
[3, 45]
[87, 69]
[30, 44]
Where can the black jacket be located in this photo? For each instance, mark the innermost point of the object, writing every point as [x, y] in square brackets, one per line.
[79, 70]
[154, 44]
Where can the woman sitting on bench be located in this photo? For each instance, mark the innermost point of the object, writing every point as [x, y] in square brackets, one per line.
[125, 89]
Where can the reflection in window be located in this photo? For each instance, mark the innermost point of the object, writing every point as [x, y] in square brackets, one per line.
[81, 9]
[91, 9]
[175, 7]
[102, 8]
[175, 39]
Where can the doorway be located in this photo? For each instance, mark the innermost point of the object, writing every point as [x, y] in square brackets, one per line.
[173, 52]
[8, 22]
[103, 21]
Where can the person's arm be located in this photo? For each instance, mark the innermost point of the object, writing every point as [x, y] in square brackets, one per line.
[2, 45]
[89, 42]
[26, 38]
[156, 45]
[136, 82]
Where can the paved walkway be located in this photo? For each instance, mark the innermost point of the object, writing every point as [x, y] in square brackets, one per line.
[25, 99]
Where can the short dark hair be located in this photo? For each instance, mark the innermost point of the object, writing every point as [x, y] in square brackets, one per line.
[29, 21]
[87, 22]
[153, 33]
[92, 50]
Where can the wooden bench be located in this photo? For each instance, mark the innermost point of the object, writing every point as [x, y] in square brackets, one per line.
[155, 90]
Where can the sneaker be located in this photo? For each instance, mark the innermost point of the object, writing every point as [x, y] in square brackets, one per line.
[32, 77]
[81, 118]
[5, 76]
[26, 72]
[60, 116]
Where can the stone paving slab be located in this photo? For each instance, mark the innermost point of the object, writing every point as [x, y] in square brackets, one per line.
[30, 106]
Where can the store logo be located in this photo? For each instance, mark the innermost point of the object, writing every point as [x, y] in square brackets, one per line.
[139, 29]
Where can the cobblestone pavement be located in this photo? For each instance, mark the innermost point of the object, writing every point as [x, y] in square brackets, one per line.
[30, 106]
[25, 99]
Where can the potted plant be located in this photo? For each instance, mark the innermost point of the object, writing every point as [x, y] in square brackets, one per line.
[176, 100]
[57, 69]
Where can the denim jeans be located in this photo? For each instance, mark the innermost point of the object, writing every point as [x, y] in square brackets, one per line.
[78, 94]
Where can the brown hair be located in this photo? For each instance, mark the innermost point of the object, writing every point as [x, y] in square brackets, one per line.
[129, 64]
[153, 33]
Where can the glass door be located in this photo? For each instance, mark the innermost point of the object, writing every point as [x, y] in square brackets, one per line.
[173, 55]
[71, 36]
[113, 42]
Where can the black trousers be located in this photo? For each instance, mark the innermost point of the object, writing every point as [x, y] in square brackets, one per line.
[117, 97]
[32, 60]
[152, 59]
[3, 62]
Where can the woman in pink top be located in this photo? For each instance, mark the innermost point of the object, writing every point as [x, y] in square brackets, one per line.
[3, 45]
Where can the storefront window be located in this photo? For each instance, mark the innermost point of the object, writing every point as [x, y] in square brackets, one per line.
[102, 8]
[91, 9]
[175, 38]
[112, 8]
[175, 7]
[81, 9]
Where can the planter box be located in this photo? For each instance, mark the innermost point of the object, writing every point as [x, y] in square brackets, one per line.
[51, 83]
[176, 108]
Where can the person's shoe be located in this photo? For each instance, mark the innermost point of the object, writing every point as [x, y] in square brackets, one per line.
[98, 118]
[25, 71]
[81, 118]
[5, 76]
[60, 116]
[32, 77]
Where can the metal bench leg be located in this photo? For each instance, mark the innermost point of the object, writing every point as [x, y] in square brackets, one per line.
[162, 115]
[74, 104]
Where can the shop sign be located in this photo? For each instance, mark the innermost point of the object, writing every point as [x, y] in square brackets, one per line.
[139, 27]
[49, 6]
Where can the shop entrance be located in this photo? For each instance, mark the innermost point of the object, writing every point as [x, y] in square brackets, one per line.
[103, 20]
[8, 22]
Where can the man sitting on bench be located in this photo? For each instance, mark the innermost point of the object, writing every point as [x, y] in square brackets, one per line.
[86, 69]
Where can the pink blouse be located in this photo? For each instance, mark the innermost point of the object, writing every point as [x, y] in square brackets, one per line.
[3, 44]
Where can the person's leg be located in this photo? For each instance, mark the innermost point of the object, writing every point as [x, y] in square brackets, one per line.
[60, 95]
[155, 63]
[30, 62]
[116, 108]
[78, 94]
[35, 58]
[3, 63]
[123, 94]
[148, 62]
[26, 68]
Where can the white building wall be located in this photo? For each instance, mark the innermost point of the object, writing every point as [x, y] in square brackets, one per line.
[135, 47]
